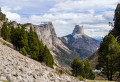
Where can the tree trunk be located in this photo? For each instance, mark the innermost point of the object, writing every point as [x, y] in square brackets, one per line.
[108, 75]
[111, 71]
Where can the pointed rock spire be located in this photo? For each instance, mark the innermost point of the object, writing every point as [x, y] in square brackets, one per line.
[78, 30]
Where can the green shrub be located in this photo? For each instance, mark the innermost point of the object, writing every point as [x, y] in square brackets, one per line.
[24, 51]
[81, 78]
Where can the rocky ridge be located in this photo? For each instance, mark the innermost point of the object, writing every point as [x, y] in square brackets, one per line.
[15, 67]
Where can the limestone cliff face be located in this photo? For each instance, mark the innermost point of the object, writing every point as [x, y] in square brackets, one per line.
[47, 35]
[14, 23]
[2, 21]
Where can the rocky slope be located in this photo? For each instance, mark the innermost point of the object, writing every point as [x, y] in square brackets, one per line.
[15, 67]
[79, 40]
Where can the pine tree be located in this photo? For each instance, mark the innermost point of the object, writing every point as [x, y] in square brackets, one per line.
[24, 39]
[47, 57]
[88, 73]
[77, 67]
[41, 51]
[2, 16]
[109, 55]
[12, 37]
[33, 44]
[16, 37]
[117, 18]
[5, 31]
[24, 51]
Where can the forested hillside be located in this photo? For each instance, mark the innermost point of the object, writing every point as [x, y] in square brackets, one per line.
[27, 42]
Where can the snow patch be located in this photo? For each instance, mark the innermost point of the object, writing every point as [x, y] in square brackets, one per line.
[76, 36]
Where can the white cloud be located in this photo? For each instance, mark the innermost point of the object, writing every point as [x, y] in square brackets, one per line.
[91, 11]
[17, 8]
[13, 16]
[10, 15]
[108, 15]
[65, 14]
[5, 9]
[98, 30]
[84, 5]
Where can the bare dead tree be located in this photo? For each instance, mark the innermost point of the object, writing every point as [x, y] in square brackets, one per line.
[111, 24]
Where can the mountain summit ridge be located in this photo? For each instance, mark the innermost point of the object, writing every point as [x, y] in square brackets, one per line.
[78, 32]
[79, 40]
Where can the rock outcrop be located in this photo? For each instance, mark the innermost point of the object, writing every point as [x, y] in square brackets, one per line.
[78, 30]
[15, 67]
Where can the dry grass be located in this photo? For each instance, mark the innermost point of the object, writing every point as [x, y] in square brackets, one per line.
[5, 42]
[4, 81]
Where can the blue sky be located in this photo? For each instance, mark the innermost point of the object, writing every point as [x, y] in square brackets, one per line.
[94, 15]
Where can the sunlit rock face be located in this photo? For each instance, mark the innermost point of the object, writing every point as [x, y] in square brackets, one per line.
[78, 30]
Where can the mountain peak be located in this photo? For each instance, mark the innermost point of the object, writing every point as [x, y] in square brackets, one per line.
[78, 30]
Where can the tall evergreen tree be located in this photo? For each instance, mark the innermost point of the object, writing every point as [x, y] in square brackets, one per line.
[33, 44]
[2, 16]
[47, 57]
[109, 53]
[5, 31]
[77, 67]
[117, 18]
[24, 39]
[41, 51]
[88, 73]
[16, 37]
